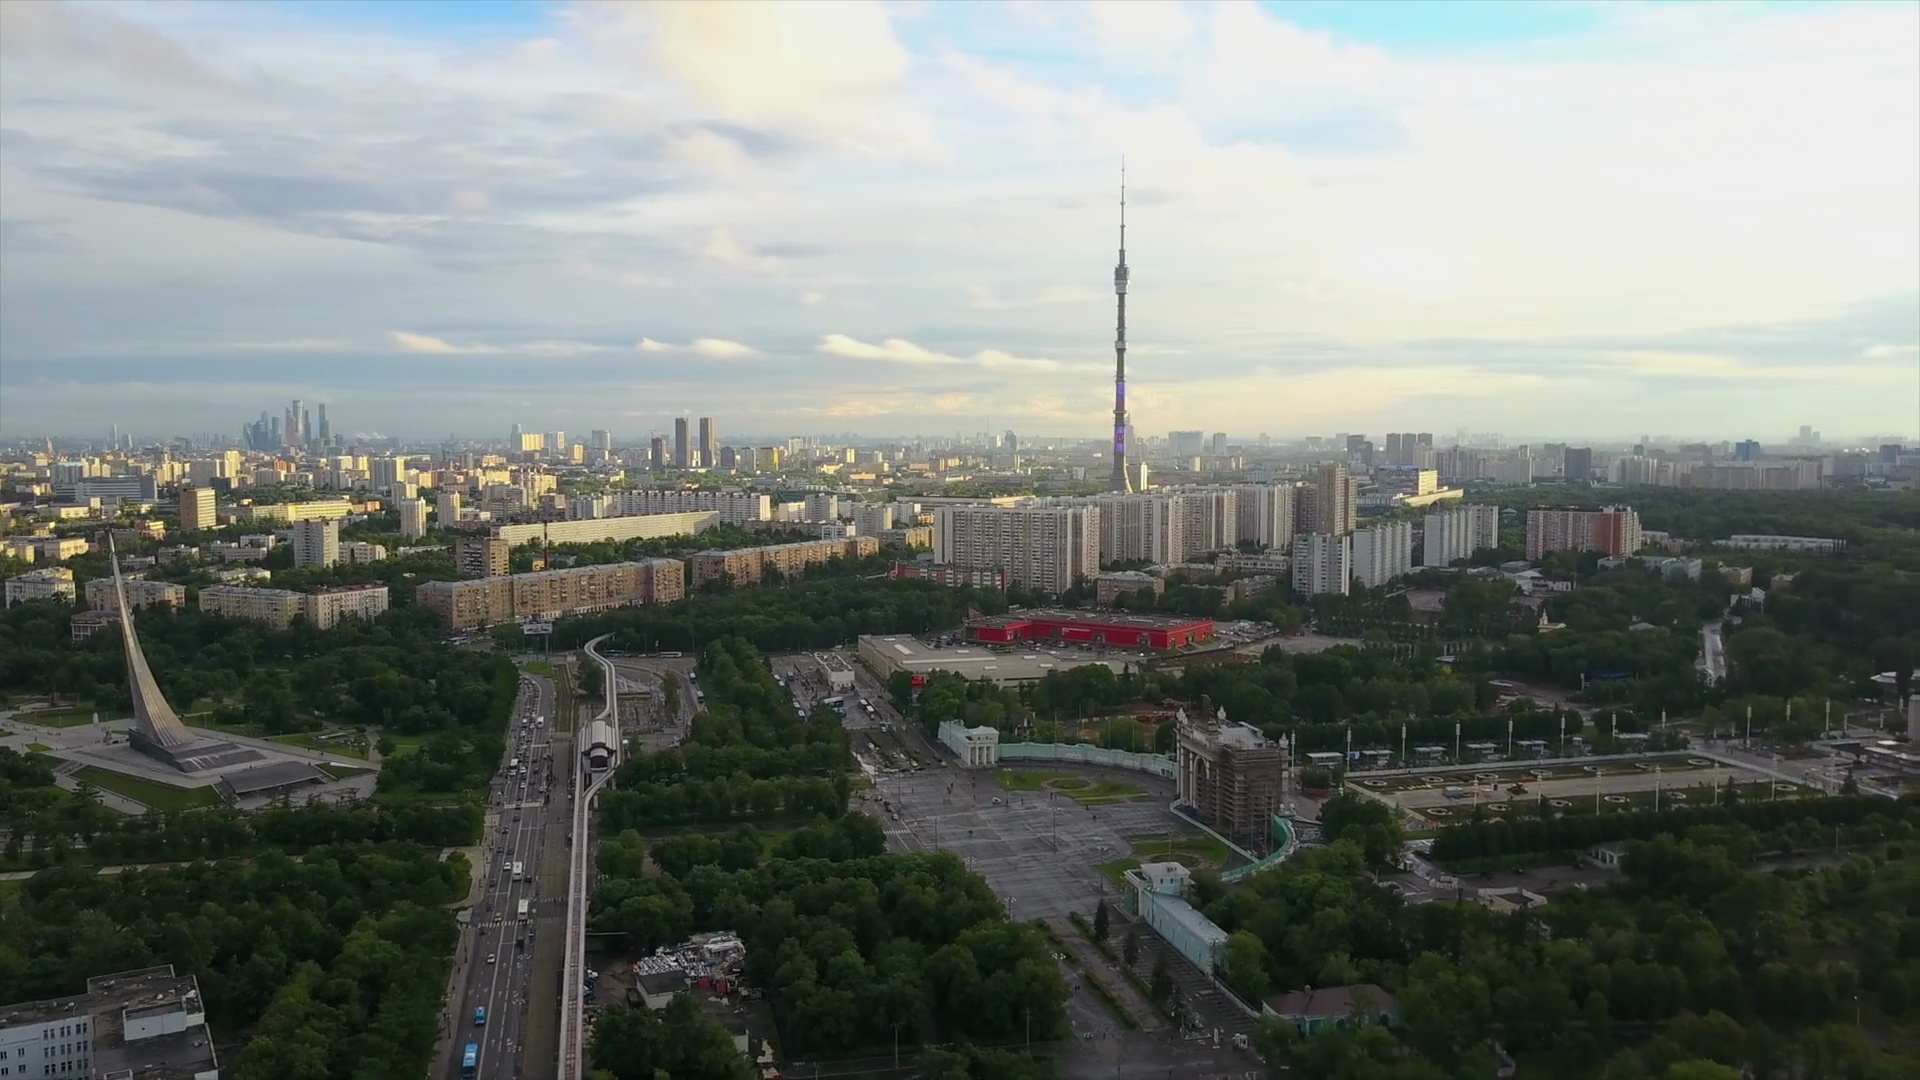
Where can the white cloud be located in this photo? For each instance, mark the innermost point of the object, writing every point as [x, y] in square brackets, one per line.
[721, 349]
[433, 346]
[720, 247]
[892, 350]
[708, 347]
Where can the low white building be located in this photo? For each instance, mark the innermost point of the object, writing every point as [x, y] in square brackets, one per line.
[976, 747]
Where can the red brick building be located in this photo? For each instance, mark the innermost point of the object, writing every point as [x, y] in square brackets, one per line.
[1092, 627]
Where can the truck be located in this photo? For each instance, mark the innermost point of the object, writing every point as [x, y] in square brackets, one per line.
[518, 870]
[522, 912]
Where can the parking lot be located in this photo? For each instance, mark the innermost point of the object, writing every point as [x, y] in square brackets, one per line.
[1041, 852]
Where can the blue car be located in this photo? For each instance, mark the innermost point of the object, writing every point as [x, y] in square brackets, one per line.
[479, 1016]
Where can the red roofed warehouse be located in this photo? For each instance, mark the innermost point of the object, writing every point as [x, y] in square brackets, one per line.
[1092, 627]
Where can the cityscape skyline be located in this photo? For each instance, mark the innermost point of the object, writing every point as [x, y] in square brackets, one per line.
[1338, 246]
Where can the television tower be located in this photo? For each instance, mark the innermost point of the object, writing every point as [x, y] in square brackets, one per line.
[1120, 482]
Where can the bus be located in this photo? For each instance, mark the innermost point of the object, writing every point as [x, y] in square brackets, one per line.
[470, 1062]
[523, 911]
[519, 869]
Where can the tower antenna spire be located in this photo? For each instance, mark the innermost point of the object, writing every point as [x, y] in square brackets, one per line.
[1120, 481]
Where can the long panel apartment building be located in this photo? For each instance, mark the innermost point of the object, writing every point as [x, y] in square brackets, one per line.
[145, 1023]
[734, 507]
[552, 594]
[593, 531]
[1610, 530]
[1042, 547]
[749, 566]
[140, 593]
[277, 608]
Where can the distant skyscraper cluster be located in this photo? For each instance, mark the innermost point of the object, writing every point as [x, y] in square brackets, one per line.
[295, 429]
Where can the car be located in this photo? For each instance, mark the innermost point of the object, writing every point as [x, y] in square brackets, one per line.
[491, 958]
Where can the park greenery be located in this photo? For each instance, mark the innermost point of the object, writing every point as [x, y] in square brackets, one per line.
[46, 826]
[748, 756]
[849, 943]
[331, 965]
[394, 674]
[854, 947]
[1694, 956]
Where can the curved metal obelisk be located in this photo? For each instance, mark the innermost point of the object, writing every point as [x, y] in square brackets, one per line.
[157, 730]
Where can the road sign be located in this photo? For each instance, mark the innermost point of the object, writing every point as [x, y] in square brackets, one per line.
[532, 628]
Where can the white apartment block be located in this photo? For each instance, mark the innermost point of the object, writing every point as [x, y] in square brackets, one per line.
[446, 507]
[636, 527]
[327, 608]
[871, 518]
[734, 507]
[413, 517]
[316, 543]
[1041, 547]
[140, 593]
[1142, 527]
[1805, 545]
[132, 1023]
[269, 607]
[50, 583]
[1456, 534]
[1382, 552]
[1209, 519]
[1264, 514]
[823, 507]
[1322, 563]
[359, 551]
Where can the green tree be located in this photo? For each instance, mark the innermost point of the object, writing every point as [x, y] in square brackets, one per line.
[1100, 921]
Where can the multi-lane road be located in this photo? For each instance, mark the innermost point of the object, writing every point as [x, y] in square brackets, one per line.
[495, 966]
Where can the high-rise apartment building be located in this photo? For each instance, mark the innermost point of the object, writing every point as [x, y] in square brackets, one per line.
[447, 507]
[602, 440]
[1142, 527]
[1264, 515]
[657, 453]
[1382, 552]
[1186, 444]
[413, 517]
[1329, 505]
[709, 443]
[197, 509]
[1455, 534]
[1042, 547]
[482, 556]
[316, 543]
[682, 444]
[1610, 530]
[1322, 563]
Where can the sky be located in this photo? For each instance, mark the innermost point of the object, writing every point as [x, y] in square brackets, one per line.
[1557, 219]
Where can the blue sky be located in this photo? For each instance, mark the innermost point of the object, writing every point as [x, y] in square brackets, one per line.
[1574, 219]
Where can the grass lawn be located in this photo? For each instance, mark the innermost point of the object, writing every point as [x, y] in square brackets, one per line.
[404, 744]
[38, 747]
[155, 795]
[1091, 791]
[348, 745]
[62, 718]
[538, 667]
[1195, 851]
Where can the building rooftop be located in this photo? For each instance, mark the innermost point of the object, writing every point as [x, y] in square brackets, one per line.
[910, 654]
[1330, 1003]
[1091, 618]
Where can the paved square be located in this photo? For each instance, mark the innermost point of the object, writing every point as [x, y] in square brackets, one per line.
[1040, 851]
